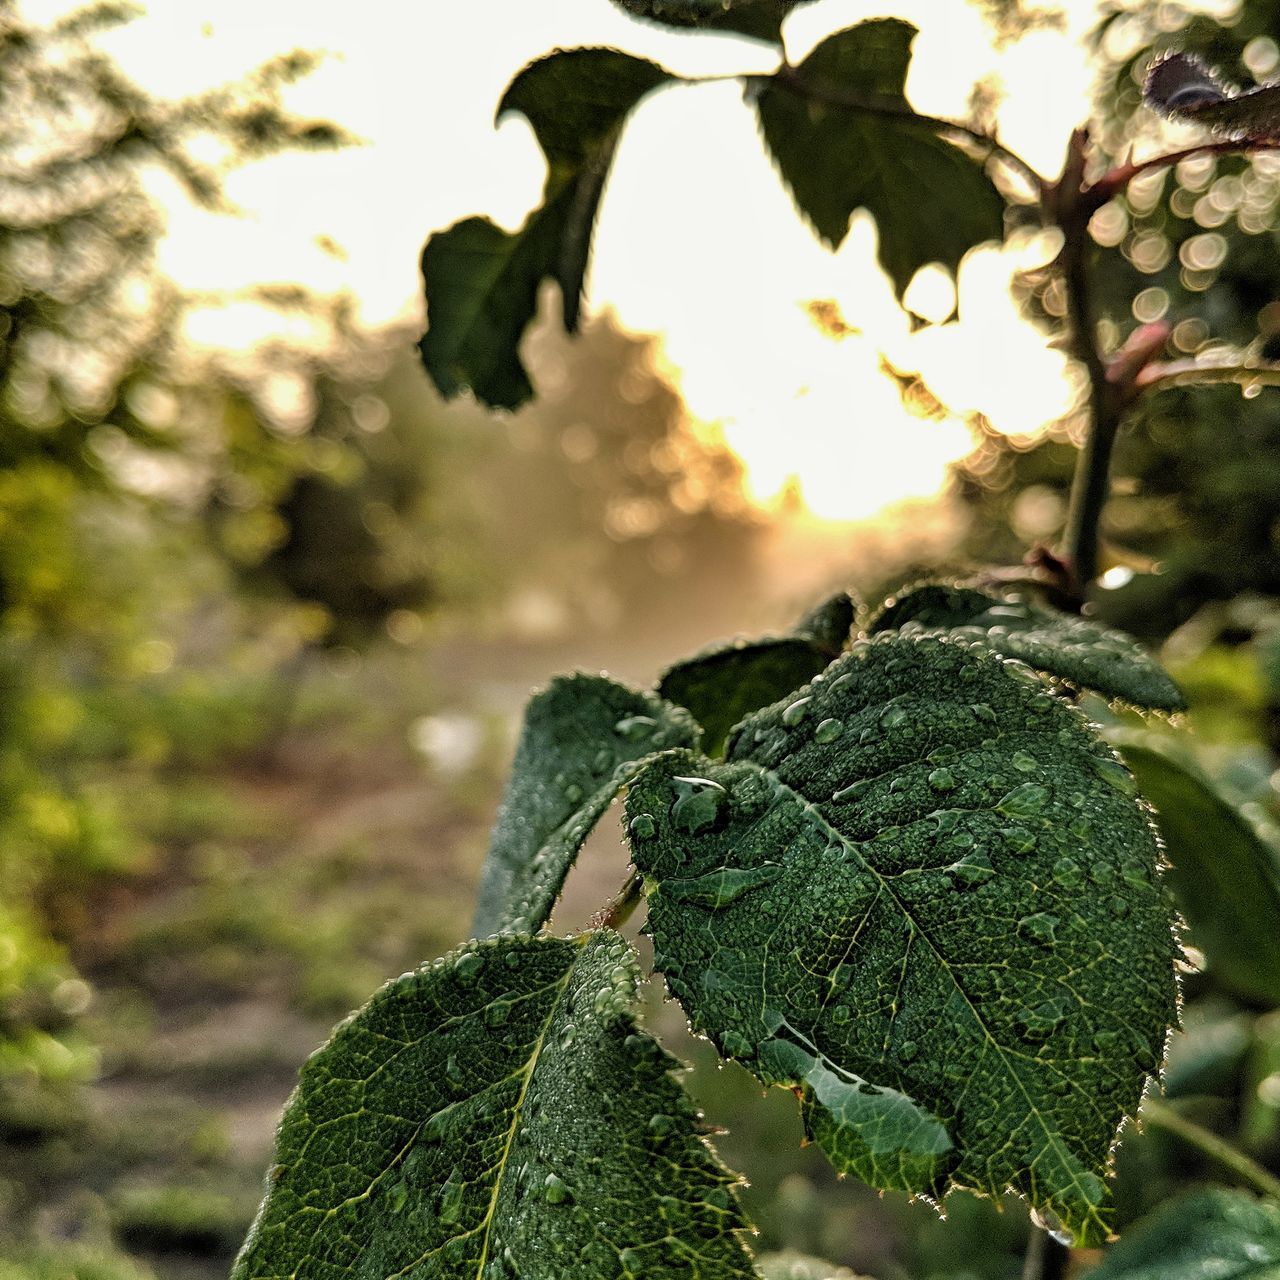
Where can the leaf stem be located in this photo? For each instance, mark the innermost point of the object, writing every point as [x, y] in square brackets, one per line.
[619, 911]
[1115, 180]
[1248, 1170]
[1046, 1258]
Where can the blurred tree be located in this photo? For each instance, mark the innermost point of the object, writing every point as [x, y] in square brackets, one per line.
[105, 432]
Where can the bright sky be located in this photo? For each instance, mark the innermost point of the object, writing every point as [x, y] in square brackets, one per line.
[698, 242]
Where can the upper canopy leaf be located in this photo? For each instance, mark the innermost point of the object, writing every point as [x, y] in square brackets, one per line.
[845, 138]
[581, 740]
[1225, 878]
[1213, 1235]
[924, 893]
[497, 1115]
[482, 282]
[760, 19]
[1063, 645]
[722, 684]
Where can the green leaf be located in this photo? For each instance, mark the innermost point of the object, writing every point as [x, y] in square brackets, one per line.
[1183, 87]
[482, 282]
[931, 201]
[1213, 1235]
[496, 1114]
[925, 894]
[759, 19]
[1226, 879]
[1074, 649]
[582, 739]
[723, 683]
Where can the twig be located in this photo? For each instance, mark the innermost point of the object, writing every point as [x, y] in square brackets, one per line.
[1091, 484]
[1196, 373]
[1046, 1258]
[618, 912]
[1249, 1171]
[1115, 180]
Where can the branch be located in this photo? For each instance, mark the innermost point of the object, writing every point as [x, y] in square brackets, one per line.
[1091, 484]
[1046, 1258]
[1198, 373]
[883, 108]
[1249, 1171]
[1115, 180]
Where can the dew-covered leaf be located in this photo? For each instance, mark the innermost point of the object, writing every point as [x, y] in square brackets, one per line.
[580, 744]
[723, 683]
[496, 1114]
[1183, 87]
[1212, 1235]
[759, 19]
[1086, 654]
[931, 201]
[925, 894]
[1225, 878]
[481, 281]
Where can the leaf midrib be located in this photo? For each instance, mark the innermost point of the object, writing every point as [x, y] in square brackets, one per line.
[833, 833]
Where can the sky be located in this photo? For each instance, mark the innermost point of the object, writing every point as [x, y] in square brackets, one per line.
[697, 240]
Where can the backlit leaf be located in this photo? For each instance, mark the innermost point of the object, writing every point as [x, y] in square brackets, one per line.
[931, 201]
[1214, 1235]
[925, 894]
[496, 1114]
[481, 281]
[1226, 880]
[722, 684]
[1075, 649]
[760, 19]
[581, 741]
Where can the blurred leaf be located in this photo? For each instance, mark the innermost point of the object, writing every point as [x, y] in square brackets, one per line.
[482, 282]
[931, 201]
[1183, 87]
[941, 921]
[1063, 645]
[723, 683]
[1226, 879]
[501, 1105]
[1207, 1052]
[759, 19]
[1213, 1234]
[581, 741]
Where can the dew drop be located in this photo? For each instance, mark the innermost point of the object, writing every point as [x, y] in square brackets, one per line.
[636, 728]
[852, 791]
[981, 711]
[908, 1051]
[1113, 772]
[662, 1126]
[451, 1195]
[719, 888]
[468, 967]
[699, 805]
[892, 717]
[1067, 873]
[555, 1191]
[1025, 763]
[943, 780]
[1048, 1222]
[643, 827]
[1039, 928]
[735, 1044]
[796, 712]
[603, 761]
[828, 730]
[841, 1014]
[573, 793]
[1024, 801]
[496, 1014]
[973, 869]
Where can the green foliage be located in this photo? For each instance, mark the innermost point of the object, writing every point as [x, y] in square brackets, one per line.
[1074, 649]
[931, 201]
[759, 19]
[1226, 879]
[497, 1112]
[482, 282]
[582, 741]
[923, 893]
[725, 682]
[1213, 1233]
